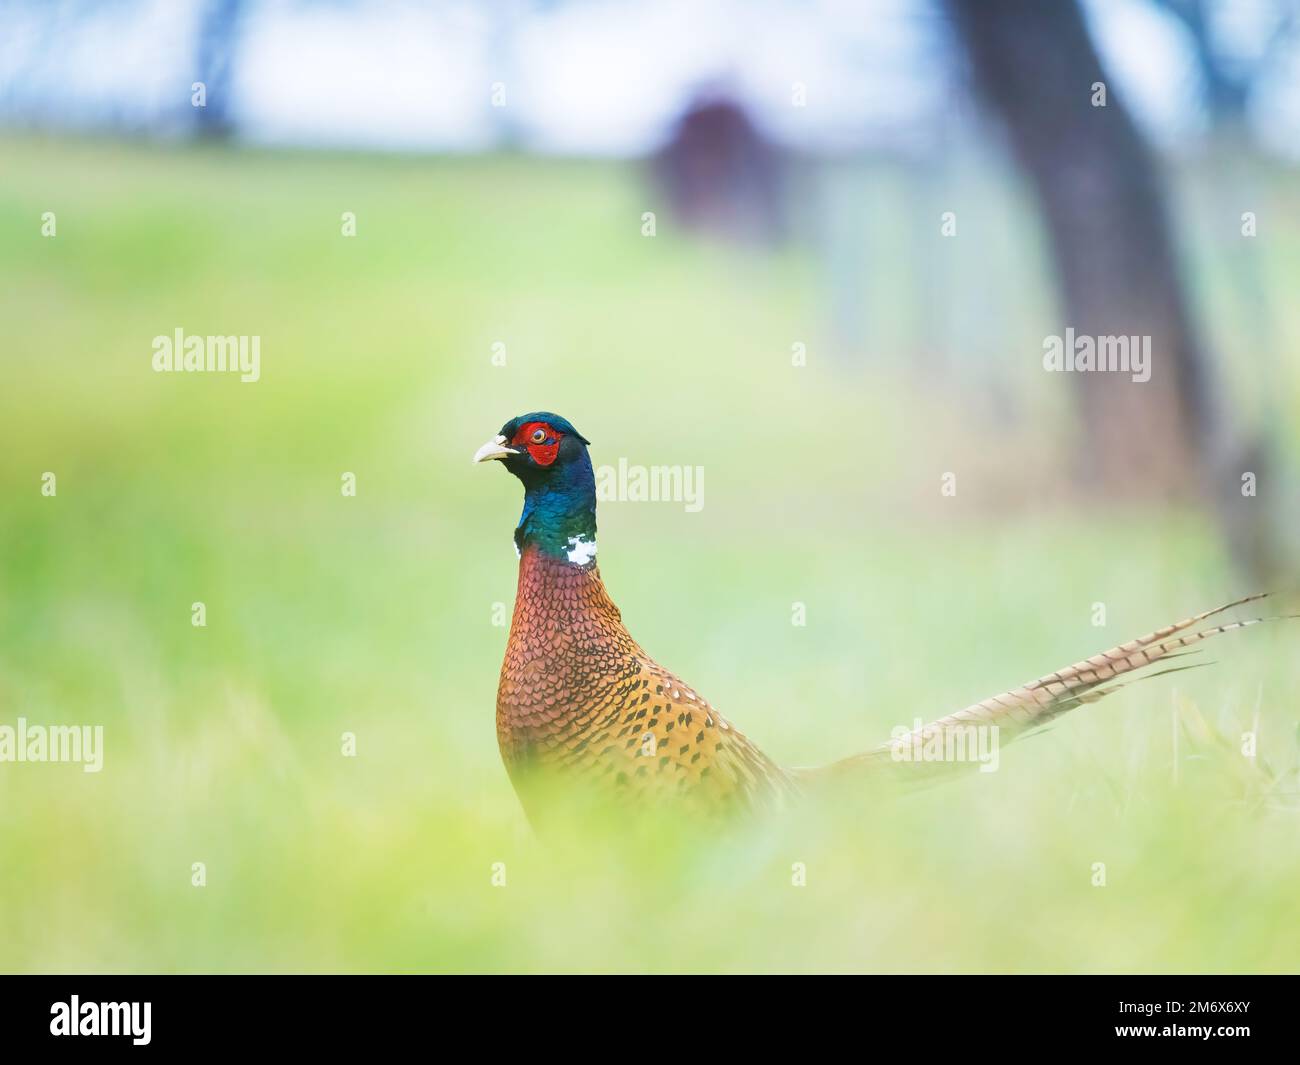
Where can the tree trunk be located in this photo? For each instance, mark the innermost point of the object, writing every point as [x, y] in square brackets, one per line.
[218, 35]
[1109, 238]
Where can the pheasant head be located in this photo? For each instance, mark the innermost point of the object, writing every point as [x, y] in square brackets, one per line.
[550, 457]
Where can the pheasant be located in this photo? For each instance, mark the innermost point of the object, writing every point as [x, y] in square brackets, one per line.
[581, 705]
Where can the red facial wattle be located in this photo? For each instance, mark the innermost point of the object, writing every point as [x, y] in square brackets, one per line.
[544, 451]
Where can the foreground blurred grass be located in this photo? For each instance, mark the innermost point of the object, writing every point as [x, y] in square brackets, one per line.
[373, 615]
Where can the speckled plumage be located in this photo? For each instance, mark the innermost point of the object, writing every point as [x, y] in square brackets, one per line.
[579, 698]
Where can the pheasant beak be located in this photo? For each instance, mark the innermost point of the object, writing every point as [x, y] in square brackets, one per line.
[494, 449]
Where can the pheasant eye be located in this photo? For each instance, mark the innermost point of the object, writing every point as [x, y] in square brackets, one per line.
[539, 435]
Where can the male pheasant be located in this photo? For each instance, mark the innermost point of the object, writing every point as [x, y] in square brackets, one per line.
[581, 705]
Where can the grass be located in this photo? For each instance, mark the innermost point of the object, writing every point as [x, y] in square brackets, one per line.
[373, 615]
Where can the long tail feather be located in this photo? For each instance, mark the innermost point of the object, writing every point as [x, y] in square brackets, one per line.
[1021, 710]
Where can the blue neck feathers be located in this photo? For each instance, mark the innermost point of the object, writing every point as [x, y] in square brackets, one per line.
[559, 513]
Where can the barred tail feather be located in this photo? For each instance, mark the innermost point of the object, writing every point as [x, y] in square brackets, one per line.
[1021, 710]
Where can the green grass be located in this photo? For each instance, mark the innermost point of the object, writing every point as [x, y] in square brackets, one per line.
[373, 615]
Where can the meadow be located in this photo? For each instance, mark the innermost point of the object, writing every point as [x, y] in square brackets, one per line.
[375, 614]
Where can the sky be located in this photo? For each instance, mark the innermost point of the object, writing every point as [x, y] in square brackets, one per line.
[585, 77]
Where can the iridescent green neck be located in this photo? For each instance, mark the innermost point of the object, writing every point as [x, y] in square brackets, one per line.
[560, 513]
